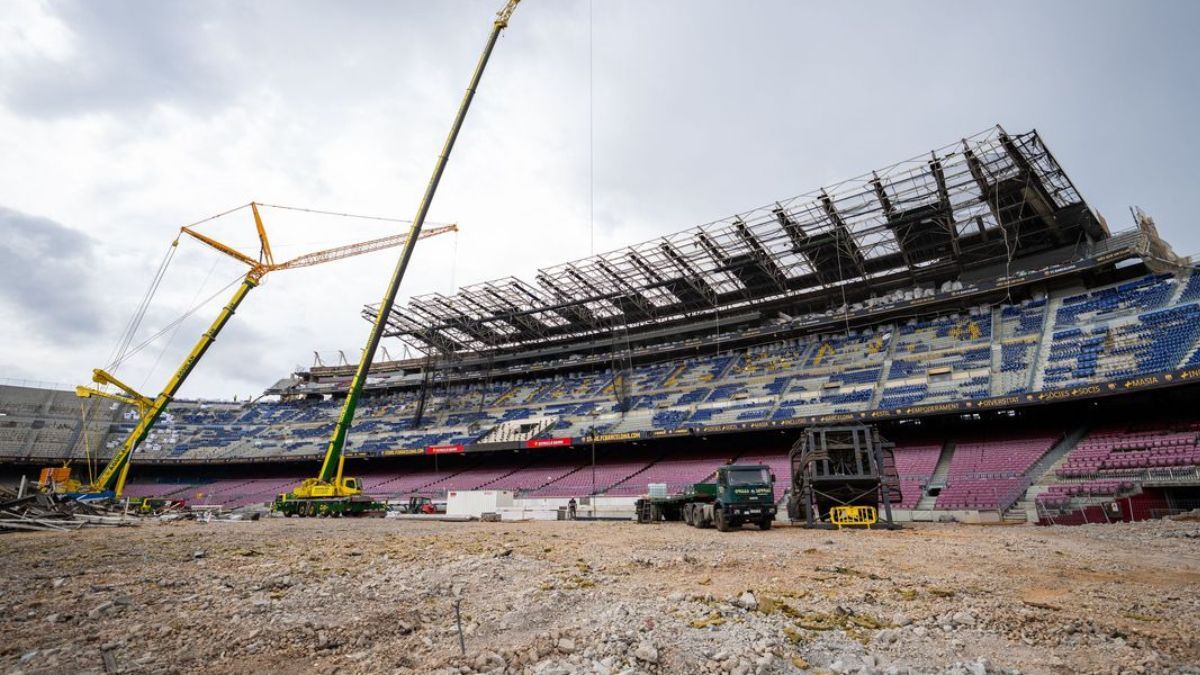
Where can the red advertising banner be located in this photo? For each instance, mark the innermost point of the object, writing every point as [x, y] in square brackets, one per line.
[547, 442]
[443, 449]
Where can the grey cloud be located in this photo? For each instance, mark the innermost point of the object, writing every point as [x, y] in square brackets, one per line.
[701, 109]
[45, 276]
[130, 55]
[240, 361]
[127, 55]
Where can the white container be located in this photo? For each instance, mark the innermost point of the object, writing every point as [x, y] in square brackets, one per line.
[474, 503]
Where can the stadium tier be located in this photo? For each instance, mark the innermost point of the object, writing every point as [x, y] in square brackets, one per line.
[885, 370]
[974, 279]
[888, 369]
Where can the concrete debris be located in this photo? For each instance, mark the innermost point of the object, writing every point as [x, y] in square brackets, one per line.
[379, 596]
[746, 601]
[646, 652]
[42, 512]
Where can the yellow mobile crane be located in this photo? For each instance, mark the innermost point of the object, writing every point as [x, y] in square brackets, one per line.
[329, 493]
[111, 481]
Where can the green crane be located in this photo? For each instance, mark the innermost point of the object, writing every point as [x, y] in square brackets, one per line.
[330, 493]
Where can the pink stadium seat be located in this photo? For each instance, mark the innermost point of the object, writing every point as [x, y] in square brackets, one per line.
[990, 474]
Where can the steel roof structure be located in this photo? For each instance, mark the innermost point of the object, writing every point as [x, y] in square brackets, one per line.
[990, 197]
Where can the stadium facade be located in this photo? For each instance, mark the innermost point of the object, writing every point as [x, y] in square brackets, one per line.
[1019, 353]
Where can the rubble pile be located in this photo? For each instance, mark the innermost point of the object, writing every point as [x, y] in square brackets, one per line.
[569, 598]
[42, 512]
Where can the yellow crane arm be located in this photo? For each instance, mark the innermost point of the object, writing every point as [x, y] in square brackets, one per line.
[505, 14]
[114, 473]
[88, 392]
[130, 397]
[227, 250]
[265, 263]
[350, 250]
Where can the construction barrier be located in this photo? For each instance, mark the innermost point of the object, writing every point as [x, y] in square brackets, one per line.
[853, 516]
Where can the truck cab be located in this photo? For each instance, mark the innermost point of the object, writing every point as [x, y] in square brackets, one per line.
[745, 494]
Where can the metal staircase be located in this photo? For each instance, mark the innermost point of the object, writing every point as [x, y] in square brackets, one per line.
[885, 366]
[1038, 371]
[1042, 475]
[936, 481]
[997, 352]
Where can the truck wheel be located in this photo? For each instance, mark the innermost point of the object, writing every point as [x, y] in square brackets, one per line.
[721, 522]
[687, 513]
[765, 523]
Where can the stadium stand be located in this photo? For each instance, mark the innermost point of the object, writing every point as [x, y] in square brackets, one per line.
[853, 303]
[1119, 461]
[915, 464]
[991, 474]
[1149, 323]
[1121, 330]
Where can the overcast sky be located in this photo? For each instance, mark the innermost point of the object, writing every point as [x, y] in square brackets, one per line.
[121, 121]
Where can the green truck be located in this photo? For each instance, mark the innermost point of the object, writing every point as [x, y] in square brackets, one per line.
[742, 493]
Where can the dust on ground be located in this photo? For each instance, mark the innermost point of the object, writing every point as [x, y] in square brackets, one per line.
[379, 596]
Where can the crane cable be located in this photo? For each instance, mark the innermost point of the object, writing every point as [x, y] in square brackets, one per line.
[335, 213]
[119, 353]
[171, 338]
[123, 350]
[171, 326]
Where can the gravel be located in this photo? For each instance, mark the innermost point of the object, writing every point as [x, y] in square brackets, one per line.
[378, 596]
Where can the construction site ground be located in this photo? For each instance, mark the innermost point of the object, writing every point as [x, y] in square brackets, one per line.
[379, 596]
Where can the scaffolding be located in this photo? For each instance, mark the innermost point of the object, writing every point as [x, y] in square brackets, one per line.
[990, 198]
[834, 467]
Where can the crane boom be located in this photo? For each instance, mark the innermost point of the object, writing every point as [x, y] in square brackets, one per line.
[112, 477]
[329, 255]
[331, 467]
[114, 473]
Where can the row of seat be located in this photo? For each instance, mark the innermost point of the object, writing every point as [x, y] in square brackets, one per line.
[1126, 329]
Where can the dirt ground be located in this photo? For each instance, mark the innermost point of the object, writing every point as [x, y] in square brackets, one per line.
[379, 596]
